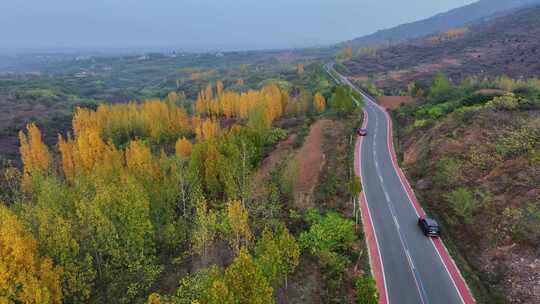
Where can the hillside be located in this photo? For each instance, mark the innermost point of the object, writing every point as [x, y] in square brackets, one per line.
[441, 22]
[480, 179]
[508, 45]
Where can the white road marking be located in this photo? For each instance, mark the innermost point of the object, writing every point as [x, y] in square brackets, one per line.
[396, 221]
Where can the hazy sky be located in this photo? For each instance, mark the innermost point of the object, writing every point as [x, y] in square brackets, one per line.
[193, 25]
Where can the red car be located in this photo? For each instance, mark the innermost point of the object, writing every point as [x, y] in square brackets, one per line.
[361, 132]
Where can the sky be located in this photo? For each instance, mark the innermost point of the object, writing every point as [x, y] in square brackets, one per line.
[199, 25]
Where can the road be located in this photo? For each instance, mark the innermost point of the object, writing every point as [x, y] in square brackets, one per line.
[408, 267]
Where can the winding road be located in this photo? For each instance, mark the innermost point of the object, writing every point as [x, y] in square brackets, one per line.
[408, 267]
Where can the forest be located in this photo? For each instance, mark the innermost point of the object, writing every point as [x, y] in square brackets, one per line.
[154, 201]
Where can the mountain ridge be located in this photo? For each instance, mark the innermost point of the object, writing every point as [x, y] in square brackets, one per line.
[477, 11]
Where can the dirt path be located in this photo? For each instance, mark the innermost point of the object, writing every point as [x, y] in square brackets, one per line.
[310, 160]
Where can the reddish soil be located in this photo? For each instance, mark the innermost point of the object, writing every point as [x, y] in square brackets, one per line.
[275, 157]
[392, 102]
[310, 160]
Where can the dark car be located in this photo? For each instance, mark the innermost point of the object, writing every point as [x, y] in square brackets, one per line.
[429, 227]
[361, 132]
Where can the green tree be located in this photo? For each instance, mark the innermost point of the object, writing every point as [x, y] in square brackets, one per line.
[204, 286]
[330, 232]
[277, 255]
[238, 220]
[440, 87]
[341, 101]
[246, 282]
[205, 229]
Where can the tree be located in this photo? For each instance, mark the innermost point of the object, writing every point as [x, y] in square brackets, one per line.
[34, 154]
[183, 147]
[440, 87]
[25, 277]
[341, 101]
[329, 233]
[209, 128]
[204, 286]
[277, 255]
[319, 103]
[205, 229]
[116, 227]
[219, 88]
[300, 69]
[246, 282]
[238, 220]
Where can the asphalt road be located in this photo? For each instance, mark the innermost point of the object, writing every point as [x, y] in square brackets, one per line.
[412, 267]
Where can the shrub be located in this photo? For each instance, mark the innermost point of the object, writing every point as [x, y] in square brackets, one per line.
[463, 203]
[523, 224]
[448, 171]
[507, 102]
[366, 291]
[522, 141]
[420, 123]
[328, 233]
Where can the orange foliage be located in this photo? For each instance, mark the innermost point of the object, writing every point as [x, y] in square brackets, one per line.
[25, 277]
[183, 147]
[319, 103]
[233, 104]
[34, 153]
[209, 128]
[156, 118]
[87, 153]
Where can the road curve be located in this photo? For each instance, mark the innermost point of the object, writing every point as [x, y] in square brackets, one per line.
[408, 267]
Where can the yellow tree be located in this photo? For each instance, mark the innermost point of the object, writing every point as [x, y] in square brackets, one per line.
[245, 281]
[68, 156]
[219, 87]
[319, 103]
[300, 69]
[238, 220]
[25, 277]
[183, 147]
[209, 128]
[34, 153]
[200, 105]
[84, 119]
[139, 158]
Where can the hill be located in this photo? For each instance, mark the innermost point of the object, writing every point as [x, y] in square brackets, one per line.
[506, 45]
[480, 179]
[441, 22]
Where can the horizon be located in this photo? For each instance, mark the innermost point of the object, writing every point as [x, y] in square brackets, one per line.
[64, 27]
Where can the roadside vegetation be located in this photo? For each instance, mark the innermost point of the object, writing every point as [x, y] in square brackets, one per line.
[472, 151]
